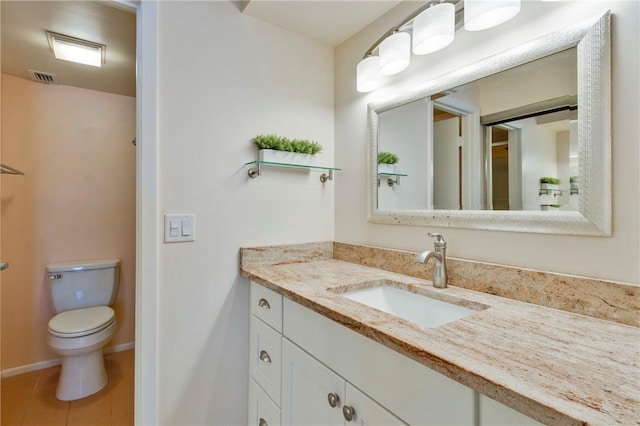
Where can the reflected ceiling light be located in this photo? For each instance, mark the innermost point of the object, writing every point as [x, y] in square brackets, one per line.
[483, 14]
[395, 53]
[73, 49]
[434, 28]
[368, 77]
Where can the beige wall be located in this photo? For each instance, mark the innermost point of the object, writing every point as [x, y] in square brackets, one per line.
[615, 258]
[76, 201]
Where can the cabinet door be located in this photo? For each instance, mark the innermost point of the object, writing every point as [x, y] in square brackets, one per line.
[306, 385]
[367, 411]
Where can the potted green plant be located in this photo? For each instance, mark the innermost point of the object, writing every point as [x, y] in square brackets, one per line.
[387, 162]
[279, 149]
[549, 183]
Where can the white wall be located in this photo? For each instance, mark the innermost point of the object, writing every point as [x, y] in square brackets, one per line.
[223, 78]
[613, 258]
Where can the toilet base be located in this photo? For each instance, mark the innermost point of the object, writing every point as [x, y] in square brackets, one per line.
[81, 376]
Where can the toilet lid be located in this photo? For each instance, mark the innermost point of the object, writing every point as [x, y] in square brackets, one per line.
[81, 322]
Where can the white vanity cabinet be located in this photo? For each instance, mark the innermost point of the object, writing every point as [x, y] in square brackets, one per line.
[305, 369]
[313, 394]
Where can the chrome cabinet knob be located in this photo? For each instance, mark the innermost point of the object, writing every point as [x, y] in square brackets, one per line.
[264, 304]
[333, 399]
[262, 422]
[348, 412]
[264, 357]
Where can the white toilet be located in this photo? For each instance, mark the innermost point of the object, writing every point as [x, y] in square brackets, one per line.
[82, 293]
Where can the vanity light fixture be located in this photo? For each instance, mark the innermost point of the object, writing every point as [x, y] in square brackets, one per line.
[368, 74]
[433, 27]
[395, 53]
[74, 49]
[482, 14]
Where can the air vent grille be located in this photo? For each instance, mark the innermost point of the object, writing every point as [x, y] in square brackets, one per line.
[43, 77]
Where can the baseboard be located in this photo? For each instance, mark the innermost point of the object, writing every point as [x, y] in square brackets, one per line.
[57, 361]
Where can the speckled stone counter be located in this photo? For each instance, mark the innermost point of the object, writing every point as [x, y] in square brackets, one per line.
[554, 366]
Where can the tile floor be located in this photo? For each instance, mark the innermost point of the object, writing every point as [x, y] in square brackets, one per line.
[29, 399]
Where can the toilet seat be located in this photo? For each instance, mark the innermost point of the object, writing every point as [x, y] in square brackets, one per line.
[81, 322]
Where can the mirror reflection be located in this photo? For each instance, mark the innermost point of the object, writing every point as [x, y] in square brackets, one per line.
[507, 141]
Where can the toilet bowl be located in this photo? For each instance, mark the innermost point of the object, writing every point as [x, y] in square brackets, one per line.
[78, 336]
[81, 293]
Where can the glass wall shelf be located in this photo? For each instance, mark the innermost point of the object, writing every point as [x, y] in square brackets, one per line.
[392, 178]
[256, 169]
[391, 174]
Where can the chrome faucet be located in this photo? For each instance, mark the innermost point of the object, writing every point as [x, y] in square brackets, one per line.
[439, 256]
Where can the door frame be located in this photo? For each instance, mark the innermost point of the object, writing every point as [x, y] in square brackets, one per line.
[147, 229]
[472, 150]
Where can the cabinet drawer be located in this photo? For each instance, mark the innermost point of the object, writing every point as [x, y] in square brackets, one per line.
[262, 410]
[266, 305]
[265, 357]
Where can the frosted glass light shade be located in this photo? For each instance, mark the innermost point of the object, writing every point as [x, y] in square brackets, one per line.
[483, 14]
[368, 77]
[395, 53]
[434, 28]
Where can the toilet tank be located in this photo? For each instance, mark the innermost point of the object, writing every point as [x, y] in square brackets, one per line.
[83, 284]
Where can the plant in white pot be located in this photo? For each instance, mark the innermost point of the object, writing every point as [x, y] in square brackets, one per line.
[387, 162]
[549, 183]
[279, 149]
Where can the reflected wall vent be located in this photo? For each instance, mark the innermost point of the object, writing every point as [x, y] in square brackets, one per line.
[43, 77]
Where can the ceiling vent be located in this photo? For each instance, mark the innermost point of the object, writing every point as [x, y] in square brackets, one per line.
[43, 77]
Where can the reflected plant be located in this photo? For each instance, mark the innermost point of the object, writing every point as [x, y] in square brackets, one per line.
[387, 158]
[550, 180]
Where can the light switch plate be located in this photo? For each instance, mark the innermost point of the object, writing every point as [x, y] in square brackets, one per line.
[179, 228]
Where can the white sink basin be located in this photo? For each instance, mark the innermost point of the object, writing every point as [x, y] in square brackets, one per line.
[413, 307]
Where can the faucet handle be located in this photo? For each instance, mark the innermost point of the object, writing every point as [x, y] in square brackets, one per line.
[439, 239]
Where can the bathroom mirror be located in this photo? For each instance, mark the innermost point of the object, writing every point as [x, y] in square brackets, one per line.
[475, 143]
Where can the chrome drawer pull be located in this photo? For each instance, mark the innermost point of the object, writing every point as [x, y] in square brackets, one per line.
[264, 357]
[264, 304]
[348, 412]
[333, 399]
[263, 422]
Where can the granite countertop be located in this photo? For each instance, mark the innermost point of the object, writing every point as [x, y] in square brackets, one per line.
[554, 366]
